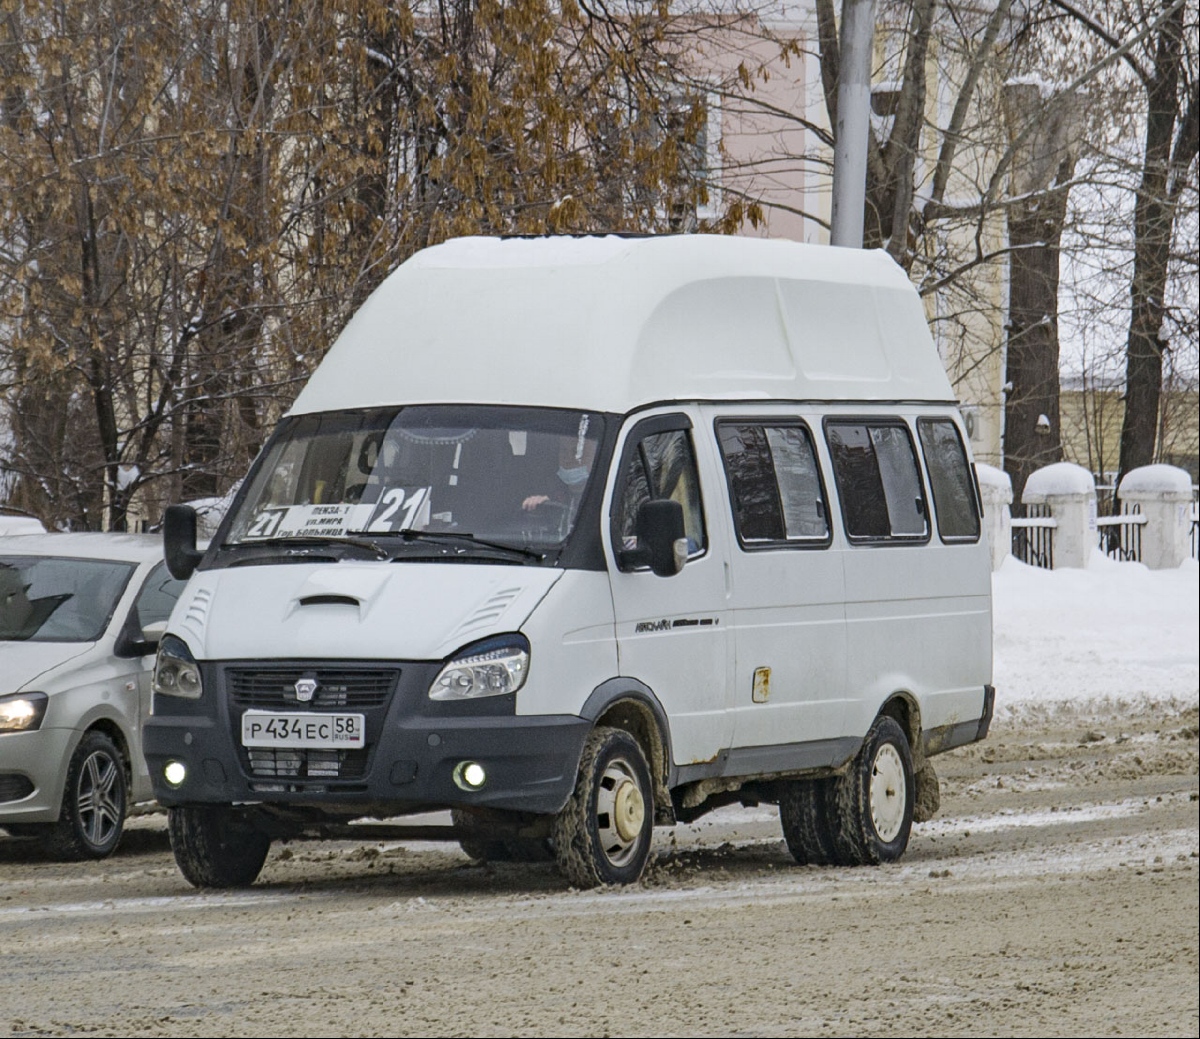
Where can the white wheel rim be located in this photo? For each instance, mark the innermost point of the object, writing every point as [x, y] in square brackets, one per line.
[889, 793]
[100, 807]
[620, 812]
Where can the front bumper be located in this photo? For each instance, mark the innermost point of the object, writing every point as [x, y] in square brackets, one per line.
[33, 767]
[413, 745]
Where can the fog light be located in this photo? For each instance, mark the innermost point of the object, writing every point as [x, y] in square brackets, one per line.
[469, 775]
[174, 773]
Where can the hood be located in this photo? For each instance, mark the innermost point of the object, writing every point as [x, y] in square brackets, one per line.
[353, 610]
[22, 663]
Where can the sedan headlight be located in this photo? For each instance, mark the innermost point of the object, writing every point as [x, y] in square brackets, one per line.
[489, 668]
[176, 672]
[22, 712]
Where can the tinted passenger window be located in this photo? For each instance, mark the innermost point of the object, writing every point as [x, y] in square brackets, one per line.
[774, 483]
[878, 480]
[662, 465]
[157, 598]
[949, 479]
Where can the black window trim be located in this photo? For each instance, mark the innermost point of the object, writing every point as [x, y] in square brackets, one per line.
[774, 421]
[880, 420]
[959, 539]
[674, 422]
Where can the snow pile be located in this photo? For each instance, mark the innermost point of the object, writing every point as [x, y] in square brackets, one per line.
[1159, 479]
[1115, 631]
[1061, 479]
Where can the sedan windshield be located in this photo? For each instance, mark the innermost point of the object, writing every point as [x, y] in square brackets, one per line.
[490, 477]
[48, 599]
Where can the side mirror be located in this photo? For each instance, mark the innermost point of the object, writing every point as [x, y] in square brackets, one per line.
[662, 541]
[129, 644]
[179, 541]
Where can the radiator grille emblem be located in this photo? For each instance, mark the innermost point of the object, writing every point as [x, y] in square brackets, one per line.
[305, 688]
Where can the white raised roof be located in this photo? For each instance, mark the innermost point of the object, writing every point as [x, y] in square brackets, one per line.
[607, 323]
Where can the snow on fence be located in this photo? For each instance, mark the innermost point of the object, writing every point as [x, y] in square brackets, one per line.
[1157, 524]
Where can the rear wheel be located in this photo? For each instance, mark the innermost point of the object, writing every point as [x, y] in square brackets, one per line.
[602, 835]
[872, 803]
[216, 847]
[804, 817]
[95, 801]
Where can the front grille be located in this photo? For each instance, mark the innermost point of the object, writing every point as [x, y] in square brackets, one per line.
[287, 763]
[14, 786]
[336, 687]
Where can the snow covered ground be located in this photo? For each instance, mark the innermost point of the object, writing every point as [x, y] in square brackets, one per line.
[1115, 632]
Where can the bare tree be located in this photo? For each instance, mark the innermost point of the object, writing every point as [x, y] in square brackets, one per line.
[197, 195]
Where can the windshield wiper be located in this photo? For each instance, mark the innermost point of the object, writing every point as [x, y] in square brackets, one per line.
[307, 540]
[410, 534]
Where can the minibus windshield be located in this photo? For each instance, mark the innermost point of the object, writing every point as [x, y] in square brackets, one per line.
[510, 476]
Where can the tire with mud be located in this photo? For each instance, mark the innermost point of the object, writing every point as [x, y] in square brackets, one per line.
[871, 807]
[804, 817]
[602, 835]
[216, 847]
[95, 800]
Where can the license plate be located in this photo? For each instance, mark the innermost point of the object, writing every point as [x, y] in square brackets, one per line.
[303, 729]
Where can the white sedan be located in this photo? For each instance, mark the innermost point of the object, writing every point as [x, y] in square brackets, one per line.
[80, 615]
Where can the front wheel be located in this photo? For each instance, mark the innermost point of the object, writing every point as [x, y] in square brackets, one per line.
[602, 835]
[872, 804]
[95, 801]
[216, 847]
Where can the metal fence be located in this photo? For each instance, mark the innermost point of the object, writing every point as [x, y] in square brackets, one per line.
[1121, 536]
[1033, 537]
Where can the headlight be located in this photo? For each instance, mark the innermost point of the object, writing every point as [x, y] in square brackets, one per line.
[488, 668]
[176, 672]
[22, 712]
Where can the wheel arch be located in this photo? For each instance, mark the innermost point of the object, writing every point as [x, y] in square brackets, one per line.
[627, 704]
[902, 707]
[112, 729]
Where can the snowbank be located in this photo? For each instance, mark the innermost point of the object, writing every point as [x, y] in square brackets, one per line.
[1115, 631]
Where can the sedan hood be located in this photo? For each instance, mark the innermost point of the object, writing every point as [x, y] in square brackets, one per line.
[23, 663]
[353, 610]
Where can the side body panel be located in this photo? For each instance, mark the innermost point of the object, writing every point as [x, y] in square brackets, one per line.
[673, 632]
[787, 618]
[918, 619]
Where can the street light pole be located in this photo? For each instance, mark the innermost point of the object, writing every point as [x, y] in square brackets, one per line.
[853, 123]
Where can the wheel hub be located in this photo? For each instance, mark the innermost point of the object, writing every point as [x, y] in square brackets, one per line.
[620, 812]
[888, 793]
[99, 801]
[630, 810]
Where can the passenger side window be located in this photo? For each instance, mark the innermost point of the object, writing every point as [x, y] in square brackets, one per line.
[774, 484]
[878, 480]
[950, 480]
[663, 465]
[157, 598]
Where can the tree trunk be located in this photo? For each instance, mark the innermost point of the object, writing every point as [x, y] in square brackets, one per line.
[1032, 429]
[1153, 222]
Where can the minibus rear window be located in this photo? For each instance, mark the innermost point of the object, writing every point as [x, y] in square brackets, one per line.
[950, 480]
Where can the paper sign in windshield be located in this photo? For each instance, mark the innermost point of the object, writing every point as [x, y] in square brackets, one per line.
[396, 509]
